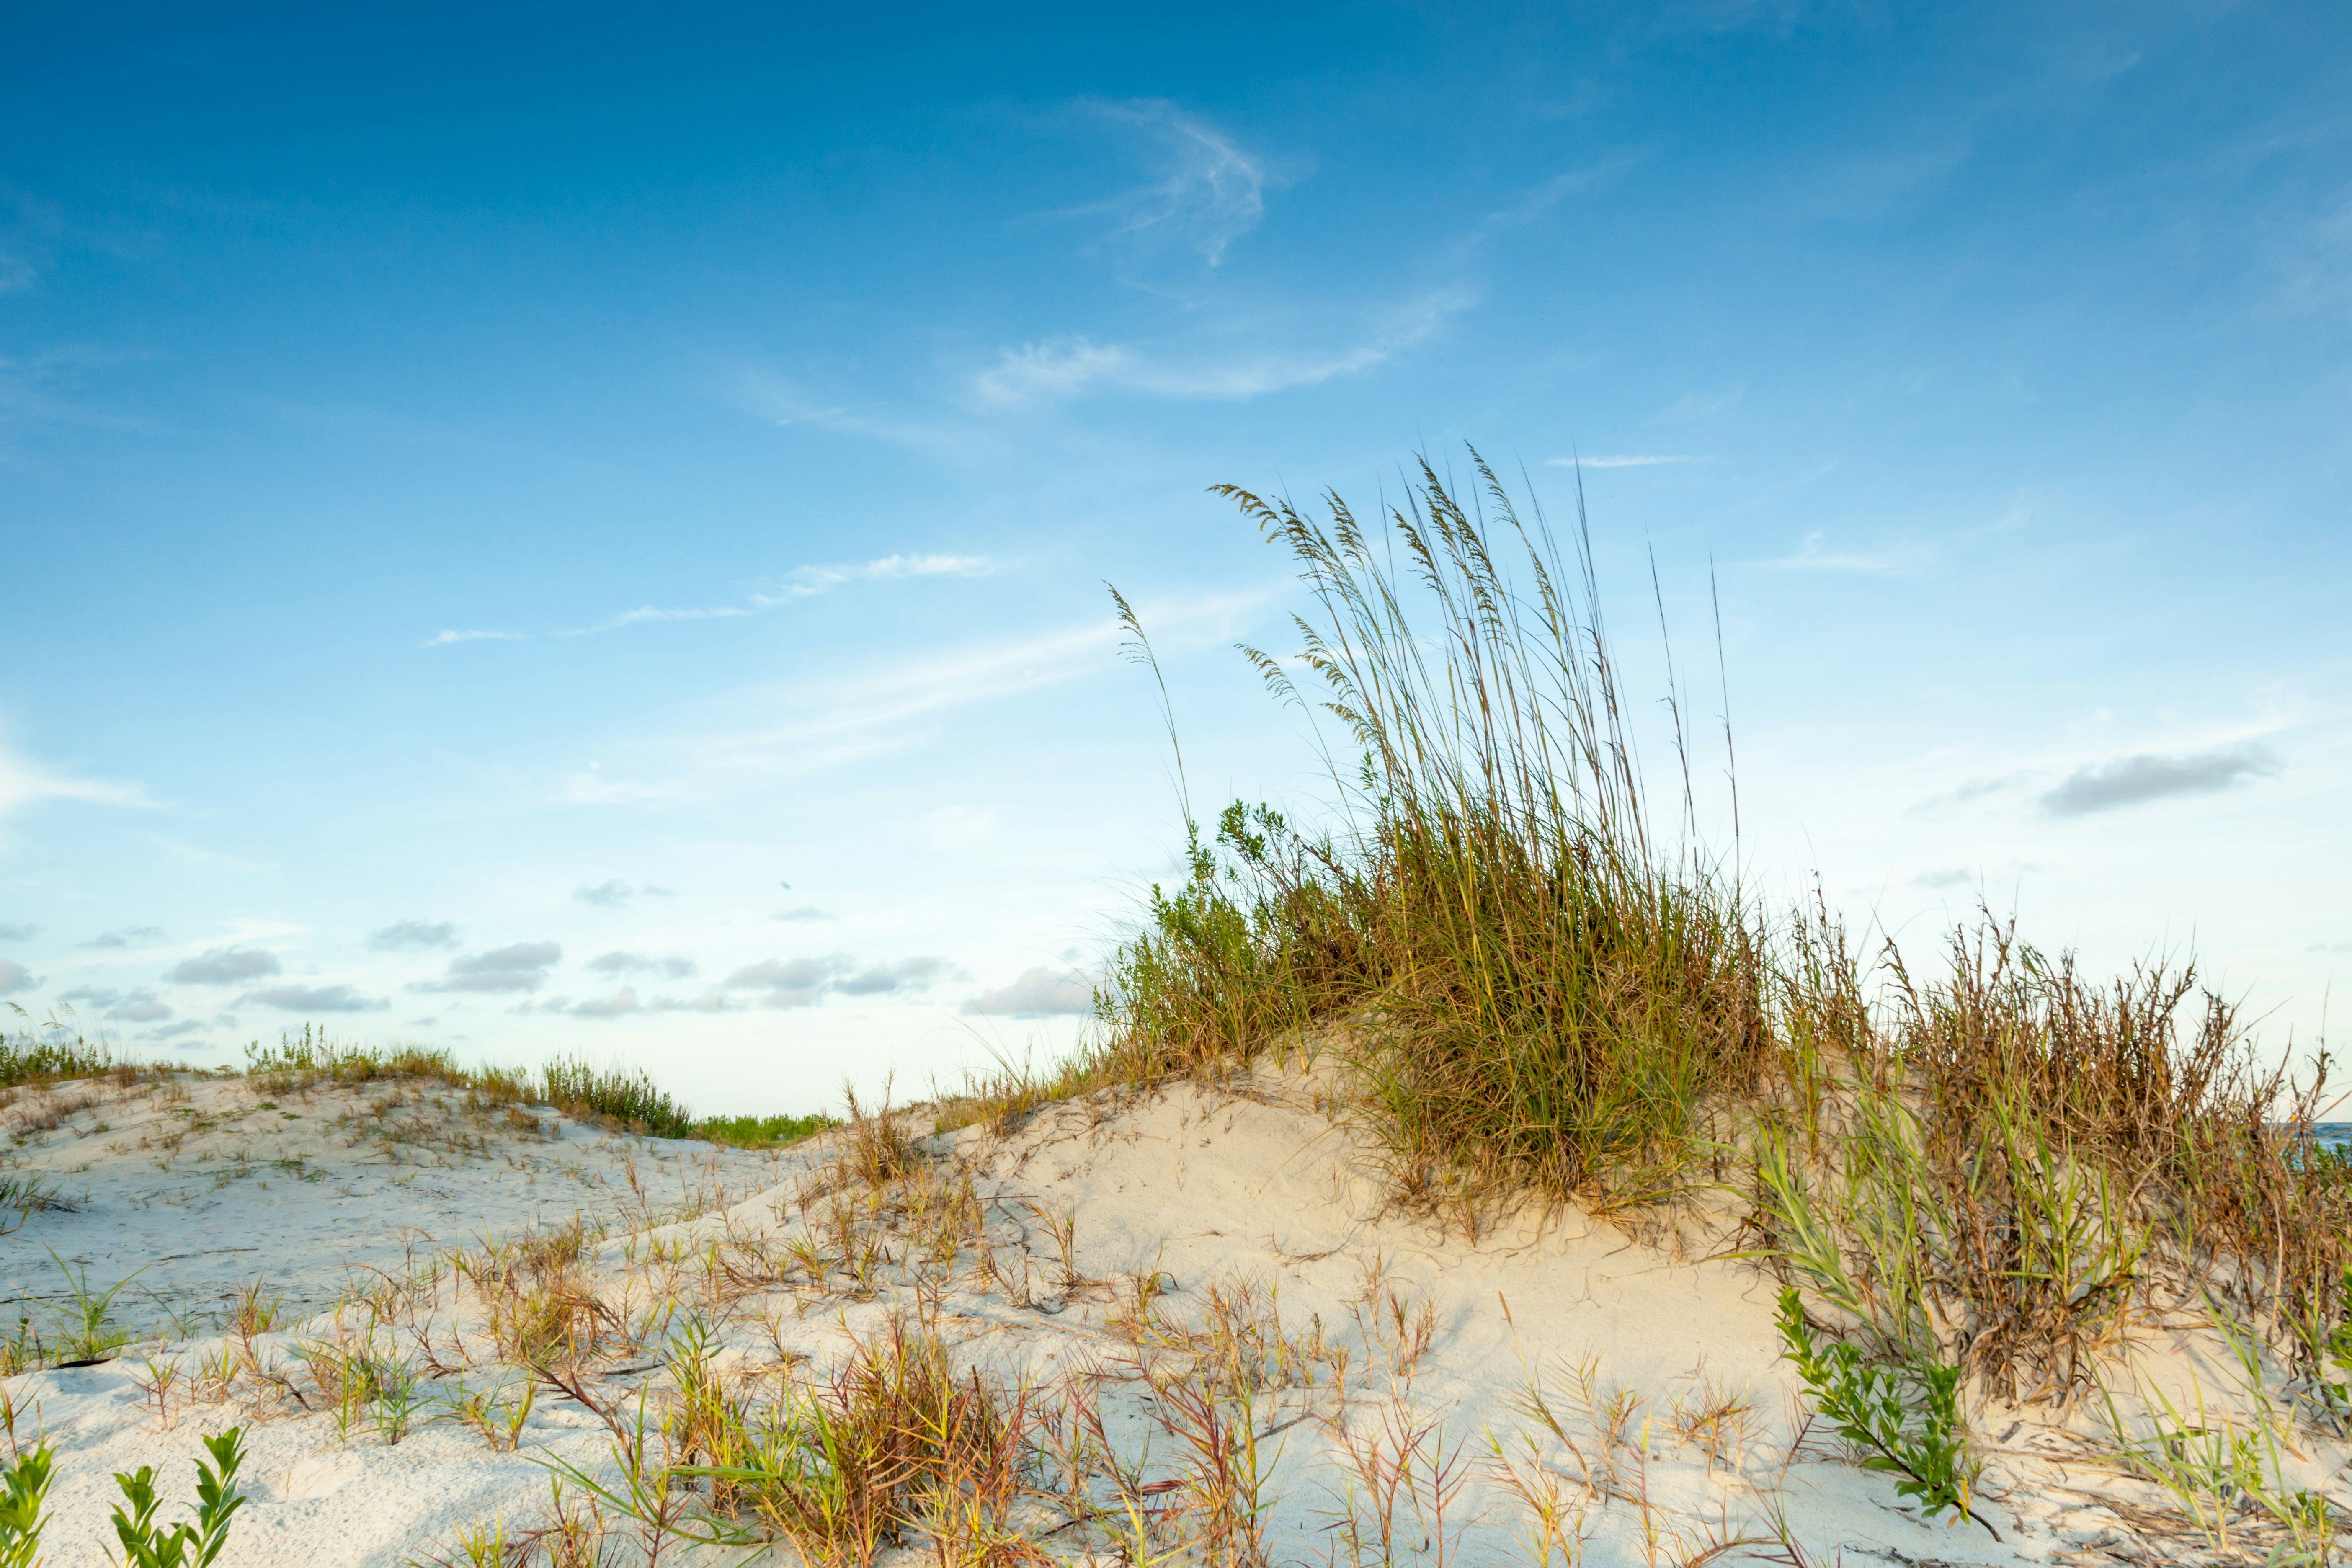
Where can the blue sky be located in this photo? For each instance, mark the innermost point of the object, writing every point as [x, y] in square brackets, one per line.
[584, 529]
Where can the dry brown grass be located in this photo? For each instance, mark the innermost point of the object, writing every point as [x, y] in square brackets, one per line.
[1999, 1163]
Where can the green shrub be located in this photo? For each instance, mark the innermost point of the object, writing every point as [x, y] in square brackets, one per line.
[1926, 1448]
[183, 1545]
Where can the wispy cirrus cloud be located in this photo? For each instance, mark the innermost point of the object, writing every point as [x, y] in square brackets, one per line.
[25, 783]
[1812, 555]
[800, 582]
[816, 725]
[444, 640]
[1054, 370]
[1206, 189]
[1622, 462]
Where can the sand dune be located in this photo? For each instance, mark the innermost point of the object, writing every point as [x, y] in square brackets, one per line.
[1114, 1252]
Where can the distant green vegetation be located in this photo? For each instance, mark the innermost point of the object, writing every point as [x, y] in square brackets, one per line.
[762, 1131]
[623, 1098]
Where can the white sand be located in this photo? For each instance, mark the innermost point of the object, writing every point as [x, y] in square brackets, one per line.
[192, 1198]
[1221, 1193]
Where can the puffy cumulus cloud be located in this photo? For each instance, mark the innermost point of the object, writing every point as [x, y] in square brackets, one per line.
[126, 937]
[315, 999]
[135, 1007]
[803, 982]
[620, 1002]
[522, 966]
[16, 977]
[2132, 781]
[619, 962]
[1039, 993]
[882, 979]
[180, 1030]
[223, 966]
[11, 932]
[609, 895]
[414, 936]
[625, 1001]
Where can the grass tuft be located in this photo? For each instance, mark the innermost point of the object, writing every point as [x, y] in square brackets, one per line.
[1542, 986]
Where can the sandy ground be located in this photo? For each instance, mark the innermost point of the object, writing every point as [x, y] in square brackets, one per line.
[190, 1193]
[1123, 1241]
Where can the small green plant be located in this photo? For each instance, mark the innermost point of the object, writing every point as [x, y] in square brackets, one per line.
[183, 1546]
[23, 1487]
[24, 1196]
[89, 1334]
[1865, 1403]
[495, 1414]
[2330, 1350]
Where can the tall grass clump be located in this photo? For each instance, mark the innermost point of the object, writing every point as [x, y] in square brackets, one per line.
[1544, 999]
[1545, 985]
[50, 1052]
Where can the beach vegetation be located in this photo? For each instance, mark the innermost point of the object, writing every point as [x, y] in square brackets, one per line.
[1541, 985]
[24, 1491]
[186, 1545]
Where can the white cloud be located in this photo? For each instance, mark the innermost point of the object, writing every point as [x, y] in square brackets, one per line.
[871, 713]
[2145, 776]
[1058, 369]
[620, 1002]
[1695, 405]
[24, 783]
[522, 966]
[620, 962]
[223, 966]
[16, 977]
[137, 1006]
[127, 937]
[1900, 560]
[1209, 192]
[416, 934]
[803, 982]
[443, 639]
[805, 581]
[1620, 462]
[800, 582]
[314, 999]
[1039, 993]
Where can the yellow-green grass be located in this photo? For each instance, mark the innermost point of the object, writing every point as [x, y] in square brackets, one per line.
[1545, 985]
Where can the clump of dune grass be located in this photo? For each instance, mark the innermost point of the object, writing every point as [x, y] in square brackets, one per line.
[1548, 1001]
[1545, 986]
[312, 1056]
